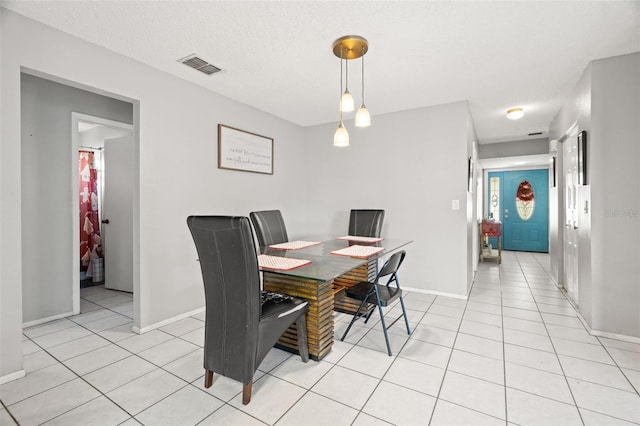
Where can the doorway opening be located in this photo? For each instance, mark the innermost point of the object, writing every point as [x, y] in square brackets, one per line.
[102, 205]
[519, 200]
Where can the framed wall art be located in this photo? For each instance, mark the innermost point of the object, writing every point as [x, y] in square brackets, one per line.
[582, 158]
[244, 151]
[470, 174]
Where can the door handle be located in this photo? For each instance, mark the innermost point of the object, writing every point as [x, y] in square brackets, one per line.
[105, 221]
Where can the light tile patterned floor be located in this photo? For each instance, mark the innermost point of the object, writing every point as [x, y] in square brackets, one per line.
[515, 353]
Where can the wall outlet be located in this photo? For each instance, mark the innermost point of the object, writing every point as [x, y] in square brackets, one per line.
[455, 204]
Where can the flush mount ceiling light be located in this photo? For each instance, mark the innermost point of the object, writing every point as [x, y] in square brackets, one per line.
[348, 48]
[515, 113]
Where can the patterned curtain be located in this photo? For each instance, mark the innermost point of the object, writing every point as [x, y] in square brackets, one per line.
[89, 222]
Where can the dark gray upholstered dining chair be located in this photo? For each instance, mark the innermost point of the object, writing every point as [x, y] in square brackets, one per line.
[269, 226]
[242, 323]
[366, 223]
[381, 295]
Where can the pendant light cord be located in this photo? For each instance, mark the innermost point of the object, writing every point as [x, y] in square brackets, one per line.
[341, 85]
[346, 74]
[340, 91]
[363, 78]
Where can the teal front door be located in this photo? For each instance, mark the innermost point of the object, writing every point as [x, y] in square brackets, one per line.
[520, 200]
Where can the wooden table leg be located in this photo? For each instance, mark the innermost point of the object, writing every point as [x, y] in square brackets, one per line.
[319, 317]
[366, 272]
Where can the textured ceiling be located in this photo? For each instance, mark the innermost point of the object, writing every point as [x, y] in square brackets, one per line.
[276, 55]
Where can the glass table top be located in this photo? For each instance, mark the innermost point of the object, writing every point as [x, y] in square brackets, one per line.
[325, 266]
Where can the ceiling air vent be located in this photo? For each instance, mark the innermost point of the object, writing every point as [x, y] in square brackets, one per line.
[199, 64]
[535, 134]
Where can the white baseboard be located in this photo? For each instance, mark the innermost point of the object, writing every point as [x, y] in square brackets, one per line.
[167, 321]
[615, 336]
[437, 293]
[43, 320]
[12, 376]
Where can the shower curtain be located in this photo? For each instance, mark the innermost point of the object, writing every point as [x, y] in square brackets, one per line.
[89, 223]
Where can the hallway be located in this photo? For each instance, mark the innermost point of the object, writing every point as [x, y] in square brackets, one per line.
[515, 353]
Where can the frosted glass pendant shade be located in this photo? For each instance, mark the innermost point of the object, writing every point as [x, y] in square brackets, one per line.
[341, 137]
[346, 102]
[363, 119]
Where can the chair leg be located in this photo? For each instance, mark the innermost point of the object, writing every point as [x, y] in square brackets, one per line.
[303, 345]
[355, 317]
[404, 313]
[208, 379]
[384, 328]
[246, 392]
[368, 315]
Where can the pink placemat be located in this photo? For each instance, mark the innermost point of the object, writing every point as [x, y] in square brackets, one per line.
[361, 252]
[278, 263]
[361, 239]
[294, 245]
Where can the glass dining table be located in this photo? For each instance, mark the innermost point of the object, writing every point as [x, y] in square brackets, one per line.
[323, 282]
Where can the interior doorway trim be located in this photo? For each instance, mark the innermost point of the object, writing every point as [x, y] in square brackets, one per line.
[75, 198]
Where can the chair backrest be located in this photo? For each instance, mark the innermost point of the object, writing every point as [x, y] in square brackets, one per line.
[231, 278]
[270, 227]
[392, 265]
[366, 223]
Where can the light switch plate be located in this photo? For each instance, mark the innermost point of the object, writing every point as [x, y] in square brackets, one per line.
[455, 204]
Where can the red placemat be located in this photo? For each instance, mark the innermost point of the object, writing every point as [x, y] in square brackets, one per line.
[294, 245]
[277, 263]
[361, 252]
[361, 239]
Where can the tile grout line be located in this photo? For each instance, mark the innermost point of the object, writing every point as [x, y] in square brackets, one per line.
[380, 380]
[360, 411]
[637, 391]
[504, 354]
[9, 412]
[159, 367]
[453, 345]
[575, 403]
[438, 398]
[91, 385]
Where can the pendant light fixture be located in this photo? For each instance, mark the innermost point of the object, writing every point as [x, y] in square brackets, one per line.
[346, 100]
[363, 119]
[341, 136]
[348, 48]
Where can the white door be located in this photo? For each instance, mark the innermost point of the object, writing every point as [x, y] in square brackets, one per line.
[570, 167]
[117, 237]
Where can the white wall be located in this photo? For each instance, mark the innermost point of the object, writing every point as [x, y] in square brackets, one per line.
[10, 215]
[615, 205]
[513, 148]
[47, 157]
[411, 164]
[177, 147]
[606, 103]
[414, 162]
[576, 112]
[95, 137]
